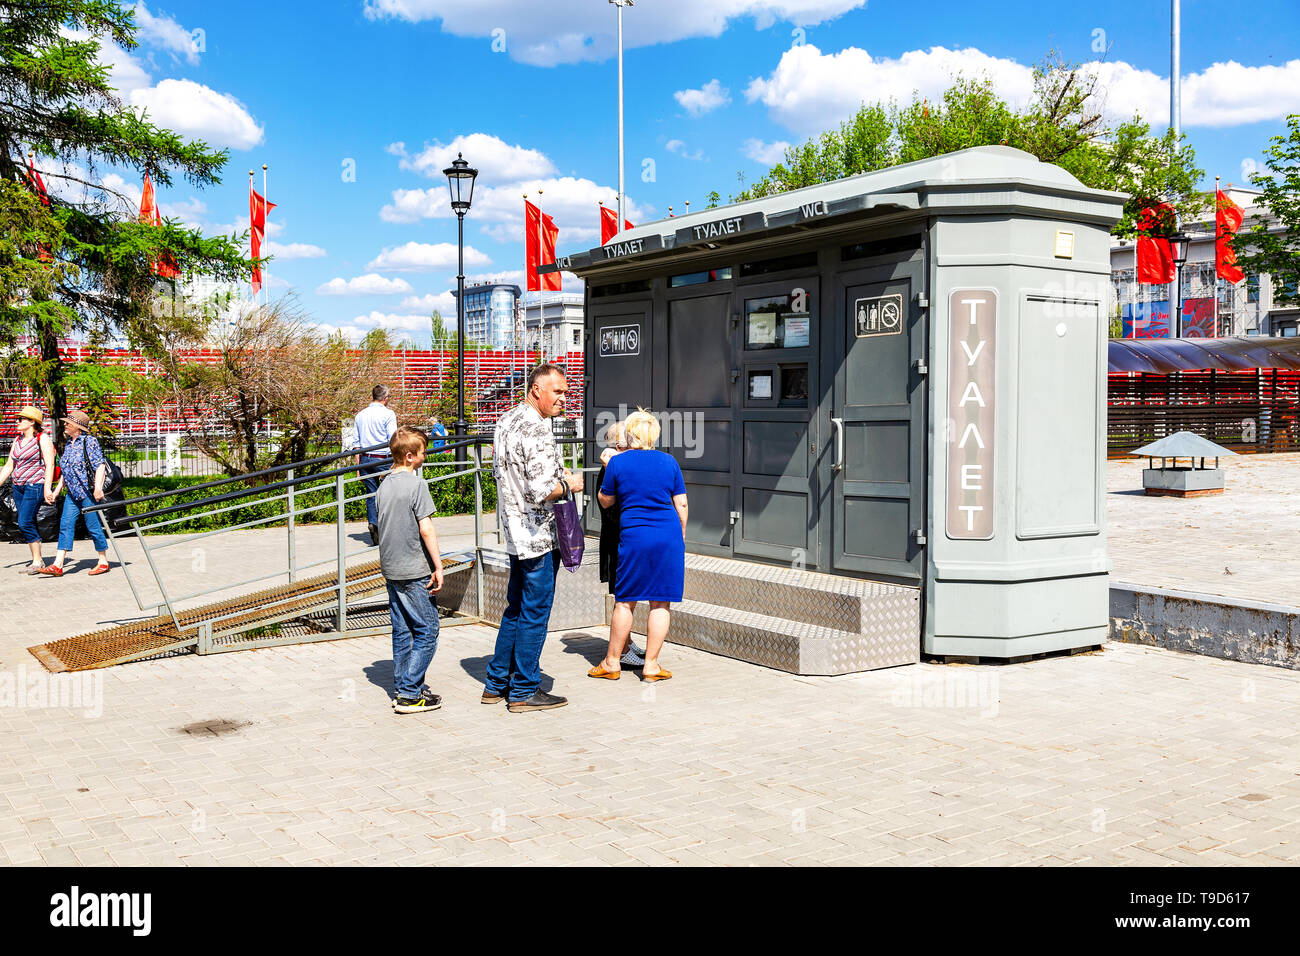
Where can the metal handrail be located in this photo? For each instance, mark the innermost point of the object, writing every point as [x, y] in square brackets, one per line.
[252, 475]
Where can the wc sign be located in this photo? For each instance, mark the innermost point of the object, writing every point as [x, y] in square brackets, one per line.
[620, 340]
[972, 315]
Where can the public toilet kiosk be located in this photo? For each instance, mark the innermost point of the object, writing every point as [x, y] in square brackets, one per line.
[889, 390]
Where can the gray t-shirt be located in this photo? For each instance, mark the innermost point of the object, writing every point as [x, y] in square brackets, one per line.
[402, 500]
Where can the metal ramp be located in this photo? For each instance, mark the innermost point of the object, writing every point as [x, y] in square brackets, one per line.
[293, 613]
[321, 607]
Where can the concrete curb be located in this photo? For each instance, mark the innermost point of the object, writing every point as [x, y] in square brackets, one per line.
[1234, 629]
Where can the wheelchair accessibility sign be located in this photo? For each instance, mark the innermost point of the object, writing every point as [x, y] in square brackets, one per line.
[620, 340]
[881, 315]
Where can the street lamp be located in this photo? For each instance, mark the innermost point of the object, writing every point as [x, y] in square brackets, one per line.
[1178, 243]
[460, 181]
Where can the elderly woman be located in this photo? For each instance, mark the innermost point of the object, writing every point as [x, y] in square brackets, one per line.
[648, 489]
[84, 467]
[31, 464]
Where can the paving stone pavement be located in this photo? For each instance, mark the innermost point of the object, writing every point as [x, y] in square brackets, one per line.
[292, 755]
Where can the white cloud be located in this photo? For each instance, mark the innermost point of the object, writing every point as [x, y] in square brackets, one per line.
[370, 284]
[1249, 167]
[546, 34]
[678, 147]
[494, 158]
[769, 154]
[383, 320]
[810, 91]
[425, 256]
[198, 111]
[163, 31]
[444, 302]
[499, 210]
[293, 250]
[704, 100]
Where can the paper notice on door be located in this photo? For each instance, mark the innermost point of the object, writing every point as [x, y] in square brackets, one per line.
[796, 331]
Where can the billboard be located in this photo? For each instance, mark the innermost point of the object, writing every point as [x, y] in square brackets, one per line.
[1146, 320]
[1198, 318]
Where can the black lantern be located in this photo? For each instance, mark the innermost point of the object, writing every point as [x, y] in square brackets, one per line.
[460, 181]
[1178, 243]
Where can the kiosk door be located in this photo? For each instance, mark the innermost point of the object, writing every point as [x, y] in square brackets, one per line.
[875, 338]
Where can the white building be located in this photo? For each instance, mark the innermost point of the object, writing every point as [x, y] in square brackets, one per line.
[553, 321]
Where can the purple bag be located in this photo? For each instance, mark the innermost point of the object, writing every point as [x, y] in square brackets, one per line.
[568, 527]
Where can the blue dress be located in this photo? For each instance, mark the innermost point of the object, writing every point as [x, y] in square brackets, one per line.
[651, 552]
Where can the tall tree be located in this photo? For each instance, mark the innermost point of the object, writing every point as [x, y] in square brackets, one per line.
[56, 101]
[1272, 244]
[1062, 124]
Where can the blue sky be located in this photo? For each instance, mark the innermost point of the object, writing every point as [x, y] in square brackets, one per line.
[353, 103]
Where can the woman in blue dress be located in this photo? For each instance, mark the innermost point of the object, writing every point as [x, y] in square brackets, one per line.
[647, 487]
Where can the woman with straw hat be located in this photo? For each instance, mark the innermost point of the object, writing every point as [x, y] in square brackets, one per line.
[83, 468]
[31, 464]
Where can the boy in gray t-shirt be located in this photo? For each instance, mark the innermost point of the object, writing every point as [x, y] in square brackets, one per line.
[405, 510]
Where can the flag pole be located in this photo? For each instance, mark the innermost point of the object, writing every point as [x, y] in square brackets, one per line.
[266, 274]
[1216, 256]
[252, 293]
[541, 246]
[1175, 123]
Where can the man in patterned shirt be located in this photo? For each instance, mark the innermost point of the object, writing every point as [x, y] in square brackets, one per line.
[530, 476]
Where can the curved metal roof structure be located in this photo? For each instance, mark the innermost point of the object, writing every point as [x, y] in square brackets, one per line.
[1162, 356]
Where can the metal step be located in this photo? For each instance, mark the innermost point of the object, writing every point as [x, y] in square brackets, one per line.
[223, 623]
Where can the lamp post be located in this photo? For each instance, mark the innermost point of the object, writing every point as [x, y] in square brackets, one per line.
[1178, 243]
[460, 181]
[621, 191]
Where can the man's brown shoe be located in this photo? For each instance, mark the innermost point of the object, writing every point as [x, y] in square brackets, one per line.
[491, 698]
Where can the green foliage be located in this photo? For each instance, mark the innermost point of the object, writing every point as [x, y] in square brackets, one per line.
[1060, 125]
[1272, 244]
[452, 497]
[55, 100]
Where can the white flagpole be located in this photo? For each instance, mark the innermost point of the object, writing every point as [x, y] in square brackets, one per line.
[252, 293]
[266, 292]
[541, 246]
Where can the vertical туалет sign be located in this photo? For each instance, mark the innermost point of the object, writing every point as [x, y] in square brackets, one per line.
[972, 315]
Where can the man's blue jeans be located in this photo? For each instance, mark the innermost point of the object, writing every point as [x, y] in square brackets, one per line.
[415, 634]
[372, 466]
[27, 501]
[515, 668]
[68, 524]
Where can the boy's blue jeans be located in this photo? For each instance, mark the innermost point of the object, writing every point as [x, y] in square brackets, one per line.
[415, 634]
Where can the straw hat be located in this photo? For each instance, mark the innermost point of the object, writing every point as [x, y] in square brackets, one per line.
[80, 419]
[34, 413]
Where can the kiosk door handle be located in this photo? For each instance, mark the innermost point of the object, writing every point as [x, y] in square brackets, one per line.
[839, 444]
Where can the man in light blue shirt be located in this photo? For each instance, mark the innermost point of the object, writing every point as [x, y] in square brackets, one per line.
[376, 424]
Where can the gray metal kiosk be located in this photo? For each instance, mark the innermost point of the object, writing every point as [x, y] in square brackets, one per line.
[891, 385]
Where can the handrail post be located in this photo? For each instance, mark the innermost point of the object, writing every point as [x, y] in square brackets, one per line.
[293, 561]
[341, 544]
[478, 529]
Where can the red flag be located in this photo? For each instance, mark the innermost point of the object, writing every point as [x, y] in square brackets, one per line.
[550, 235]
[165, 266]
[532, 246]
[1227, 220]
[1155, 260]
[258, 208]
[609, 224]
[1155, 253]
[43, 253]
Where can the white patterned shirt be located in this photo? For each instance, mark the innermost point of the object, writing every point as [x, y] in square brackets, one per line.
[526, 464]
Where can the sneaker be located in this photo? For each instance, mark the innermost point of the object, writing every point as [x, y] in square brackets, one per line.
[539, 701]
[420, 705]
[632, 657]
[374, 533]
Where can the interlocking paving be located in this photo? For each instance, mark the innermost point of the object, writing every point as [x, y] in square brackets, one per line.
[292, 755]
